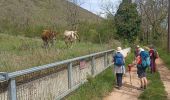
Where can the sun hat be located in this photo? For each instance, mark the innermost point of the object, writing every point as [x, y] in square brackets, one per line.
[119, 49]
[141, 49]
[137, 46]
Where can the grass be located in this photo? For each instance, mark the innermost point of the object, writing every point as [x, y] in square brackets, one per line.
[98, 87]
[17, 53]
[95, 88]
[155, 89]
[164, 55]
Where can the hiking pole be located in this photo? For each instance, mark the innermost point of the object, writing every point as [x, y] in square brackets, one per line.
[129, 69]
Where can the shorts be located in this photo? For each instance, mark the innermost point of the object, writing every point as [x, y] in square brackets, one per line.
[141, 71]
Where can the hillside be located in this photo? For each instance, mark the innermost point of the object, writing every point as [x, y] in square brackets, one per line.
[17, 52]
[33, 15]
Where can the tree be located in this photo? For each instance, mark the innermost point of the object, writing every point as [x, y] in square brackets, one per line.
[154, 19]
[127, 21]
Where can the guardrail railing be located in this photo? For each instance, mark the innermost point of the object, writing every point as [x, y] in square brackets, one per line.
[52, 81]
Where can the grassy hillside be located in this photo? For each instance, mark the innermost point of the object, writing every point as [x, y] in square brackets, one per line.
[18, 52]
[29, 17]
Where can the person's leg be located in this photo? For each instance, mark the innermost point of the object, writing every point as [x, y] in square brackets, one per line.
[142, 82]
[145, 82]
[117, 79]
[121, 76]
[154, 66]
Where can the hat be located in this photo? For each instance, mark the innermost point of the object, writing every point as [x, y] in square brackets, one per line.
[137, 46]
[141, 49]
[119, 49]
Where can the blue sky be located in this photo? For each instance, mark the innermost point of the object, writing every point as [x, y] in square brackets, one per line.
[95, 5]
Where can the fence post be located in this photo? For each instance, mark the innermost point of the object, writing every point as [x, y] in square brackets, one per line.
[93, 65]
[105, 60]
[12, 92]
[70, 78]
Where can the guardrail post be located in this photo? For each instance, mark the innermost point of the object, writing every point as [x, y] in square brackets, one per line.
[12, 92]
[70, 78]
[93, 65]
[105, 60]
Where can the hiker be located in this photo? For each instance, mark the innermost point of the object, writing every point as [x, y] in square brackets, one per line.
[141, 66]
[119, 66]
[153, 56]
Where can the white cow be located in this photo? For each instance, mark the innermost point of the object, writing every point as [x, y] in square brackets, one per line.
[70, 37]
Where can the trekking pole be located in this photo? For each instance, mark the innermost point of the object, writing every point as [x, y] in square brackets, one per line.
[129, 69]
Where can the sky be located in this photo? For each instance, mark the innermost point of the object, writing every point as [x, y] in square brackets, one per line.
[95, 5]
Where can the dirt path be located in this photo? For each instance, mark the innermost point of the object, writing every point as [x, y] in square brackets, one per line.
[128, 91]
[165, 76]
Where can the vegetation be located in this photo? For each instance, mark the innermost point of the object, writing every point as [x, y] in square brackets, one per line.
[18, 52]
[29, 18]
[164, 55]
[155, 89]
[127, 21]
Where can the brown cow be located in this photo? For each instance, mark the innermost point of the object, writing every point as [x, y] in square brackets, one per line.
[48, 36]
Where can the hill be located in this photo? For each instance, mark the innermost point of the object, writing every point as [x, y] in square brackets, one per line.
[17, 52]
[31, 16]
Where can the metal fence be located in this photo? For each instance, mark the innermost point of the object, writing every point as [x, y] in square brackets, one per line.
[53, 81]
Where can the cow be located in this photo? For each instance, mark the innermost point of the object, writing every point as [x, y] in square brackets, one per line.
[70, 37]
[48, 36]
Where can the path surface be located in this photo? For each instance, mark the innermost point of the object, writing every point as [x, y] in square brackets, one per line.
[165, 75]
[128, 91]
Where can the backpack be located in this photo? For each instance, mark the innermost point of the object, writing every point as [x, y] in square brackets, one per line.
[118, 59]
[155, 54]
[145, 59]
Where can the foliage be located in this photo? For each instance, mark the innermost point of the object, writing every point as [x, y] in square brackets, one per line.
[102, 32]
[127, 21]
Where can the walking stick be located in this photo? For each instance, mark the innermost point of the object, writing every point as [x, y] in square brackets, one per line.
[129, 69]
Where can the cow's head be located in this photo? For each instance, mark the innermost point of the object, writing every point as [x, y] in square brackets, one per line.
[76, 34]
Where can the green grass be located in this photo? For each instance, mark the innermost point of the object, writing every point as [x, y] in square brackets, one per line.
[95, 88]
[165, 57]
[17, 53]
[155, 89]
[98, 87]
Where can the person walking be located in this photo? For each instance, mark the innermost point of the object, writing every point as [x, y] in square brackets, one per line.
[119, 66]
[153, 56]
[141, 67]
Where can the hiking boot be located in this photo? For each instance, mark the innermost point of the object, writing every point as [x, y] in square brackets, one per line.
[140, 88]
[119, 88]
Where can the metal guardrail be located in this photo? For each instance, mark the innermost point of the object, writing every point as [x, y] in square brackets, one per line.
[11, 77]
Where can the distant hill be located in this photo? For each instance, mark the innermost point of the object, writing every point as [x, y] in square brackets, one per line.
[20, 14]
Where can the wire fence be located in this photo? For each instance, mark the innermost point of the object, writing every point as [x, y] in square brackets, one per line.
[53, 81]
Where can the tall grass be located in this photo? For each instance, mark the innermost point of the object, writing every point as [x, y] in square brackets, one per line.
[18, 52]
